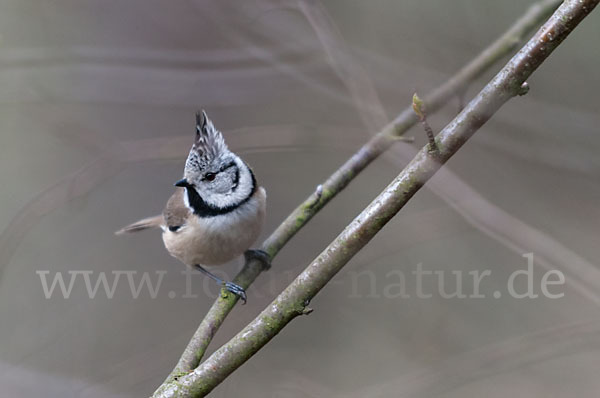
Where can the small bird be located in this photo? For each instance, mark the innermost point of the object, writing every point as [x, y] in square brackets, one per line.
[217, 211]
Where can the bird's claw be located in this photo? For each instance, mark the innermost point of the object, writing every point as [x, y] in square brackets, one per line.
[237, 290]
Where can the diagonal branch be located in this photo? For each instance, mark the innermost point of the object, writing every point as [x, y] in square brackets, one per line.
[378, 144]
[488, 218]
[293, 301]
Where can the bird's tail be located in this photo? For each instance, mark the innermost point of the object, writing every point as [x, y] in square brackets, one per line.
[146, 223]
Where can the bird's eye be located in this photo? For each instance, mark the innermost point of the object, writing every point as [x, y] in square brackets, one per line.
[209, 176]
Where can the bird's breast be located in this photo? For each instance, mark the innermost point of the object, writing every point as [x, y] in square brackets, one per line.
[218, 239]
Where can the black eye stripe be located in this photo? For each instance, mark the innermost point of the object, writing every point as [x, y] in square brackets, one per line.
[203, 209]
[210, 176]
[228, 165]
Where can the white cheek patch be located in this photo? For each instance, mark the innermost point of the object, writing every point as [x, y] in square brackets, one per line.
[226, 196]
[186, 200]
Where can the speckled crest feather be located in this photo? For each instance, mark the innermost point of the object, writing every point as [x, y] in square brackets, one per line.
[209, 144]
[209, 141]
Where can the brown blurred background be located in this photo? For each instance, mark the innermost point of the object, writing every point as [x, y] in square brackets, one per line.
[97, 101]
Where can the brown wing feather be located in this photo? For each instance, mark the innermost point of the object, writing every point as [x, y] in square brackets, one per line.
[176, 212]
[146, 223]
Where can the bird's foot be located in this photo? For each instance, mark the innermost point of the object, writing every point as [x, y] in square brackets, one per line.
[259, 255]
[236, 289]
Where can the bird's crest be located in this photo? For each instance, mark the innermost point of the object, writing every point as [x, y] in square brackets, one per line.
[209, 142]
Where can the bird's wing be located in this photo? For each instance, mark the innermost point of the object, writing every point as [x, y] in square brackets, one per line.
[146, 223]
[176, 212]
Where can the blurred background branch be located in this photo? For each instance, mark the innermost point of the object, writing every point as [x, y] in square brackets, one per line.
[96, 106]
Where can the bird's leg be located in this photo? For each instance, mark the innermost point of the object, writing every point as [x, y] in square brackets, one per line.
[229, 286]
[259, 255]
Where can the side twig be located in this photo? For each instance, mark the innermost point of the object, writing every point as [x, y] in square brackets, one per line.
[419, 108]
[378, 144]
[294, 299]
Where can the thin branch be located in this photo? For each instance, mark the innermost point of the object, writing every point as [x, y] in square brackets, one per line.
[515, 232]
[294, 299]
[419, 108]
[378, 144]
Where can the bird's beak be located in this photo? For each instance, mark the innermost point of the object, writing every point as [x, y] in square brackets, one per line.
[182, 183]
